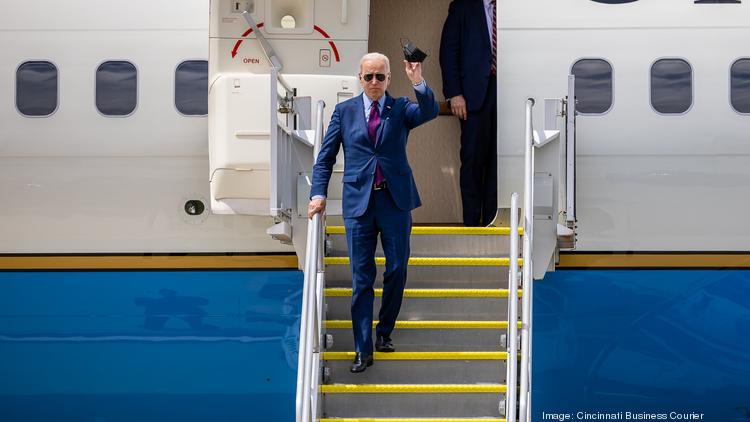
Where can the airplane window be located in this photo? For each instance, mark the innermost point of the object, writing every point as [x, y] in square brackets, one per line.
[741, 85]
[671, 86]
[116, 88]
[191, 88]
[36, 88]
[593, 86]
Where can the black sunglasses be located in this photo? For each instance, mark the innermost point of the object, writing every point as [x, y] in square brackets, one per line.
[368, 77]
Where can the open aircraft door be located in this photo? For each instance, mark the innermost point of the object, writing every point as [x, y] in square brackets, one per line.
[270, 62]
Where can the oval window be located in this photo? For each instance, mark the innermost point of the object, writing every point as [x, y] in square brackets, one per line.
[671, 86]
[593, 86]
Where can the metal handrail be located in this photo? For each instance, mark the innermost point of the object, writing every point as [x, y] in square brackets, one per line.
[308, 363]
[281, 152]
[512, 337]
[524, 411]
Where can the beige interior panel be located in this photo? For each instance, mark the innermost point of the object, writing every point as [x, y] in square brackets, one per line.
[434, 147]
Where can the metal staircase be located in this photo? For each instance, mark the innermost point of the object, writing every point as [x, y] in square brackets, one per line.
[458, 333]
[449, 362]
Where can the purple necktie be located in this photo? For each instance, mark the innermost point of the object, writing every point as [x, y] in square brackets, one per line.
[372, 129]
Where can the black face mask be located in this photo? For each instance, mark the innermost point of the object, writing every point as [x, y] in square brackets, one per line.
[368, 77]
[412, 53]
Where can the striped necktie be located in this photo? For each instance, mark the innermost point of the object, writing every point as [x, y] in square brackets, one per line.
[372, 129]
[494, 38]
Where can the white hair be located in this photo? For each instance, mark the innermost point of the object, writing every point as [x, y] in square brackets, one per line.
[376, 56]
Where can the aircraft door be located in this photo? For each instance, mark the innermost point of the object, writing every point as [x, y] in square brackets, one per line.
[314, 47]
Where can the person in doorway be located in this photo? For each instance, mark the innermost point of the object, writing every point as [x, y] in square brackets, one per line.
[468, 59]
[379, 192]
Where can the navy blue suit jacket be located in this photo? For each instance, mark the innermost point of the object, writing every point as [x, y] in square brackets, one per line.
[348, 128]
[466, 52]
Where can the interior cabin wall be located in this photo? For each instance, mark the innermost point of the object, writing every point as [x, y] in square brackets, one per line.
[434, 147]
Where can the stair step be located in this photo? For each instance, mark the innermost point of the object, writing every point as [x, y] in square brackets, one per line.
[424, 340]
[412, 400]
[430, 304]
[419, 371]
[411, 420]
[431, 325]
[435, 261]
[430, 308]
[421, 367]
[425, 277]
[439, 242]
[428, 335]
[412, 388]
[424, 230]
[421, 356]
[430, 293]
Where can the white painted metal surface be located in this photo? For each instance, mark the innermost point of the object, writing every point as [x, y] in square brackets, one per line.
[524, 396]
[511, 377]
[79, 182]
[638, 173]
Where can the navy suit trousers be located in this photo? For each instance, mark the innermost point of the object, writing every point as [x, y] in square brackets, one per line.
[383, 218]
[479, 161]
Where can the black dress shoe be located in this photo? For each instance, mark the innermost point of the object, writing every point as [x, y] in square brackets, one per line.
[383, 345]
[360, 363]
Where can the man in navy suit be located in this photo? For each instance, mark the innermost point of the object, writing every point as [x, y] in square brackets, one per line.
[468, 59]
[379, 192]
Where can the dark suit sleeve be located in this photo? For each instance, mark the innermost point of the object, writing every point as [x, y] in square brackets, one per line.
[426, 109]
[450, 51]
[327, 156]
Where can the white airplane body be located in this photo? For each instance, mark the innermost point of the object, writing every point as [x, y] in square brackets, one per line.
[77, 181]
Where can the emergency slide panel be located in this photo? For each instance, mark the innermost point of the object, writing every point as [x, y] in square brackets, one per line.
[239, 147]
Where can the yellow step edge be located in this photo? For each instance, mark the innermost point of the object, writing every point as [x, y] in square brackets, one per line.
[431, 293]
[431, 325]
[435, 262]
[421, 356]
[420, 230]
[412, 388]
[411, 420]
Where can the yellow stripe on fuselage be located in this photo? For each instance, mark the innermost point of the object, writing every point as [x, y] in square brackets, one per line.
[654, 260]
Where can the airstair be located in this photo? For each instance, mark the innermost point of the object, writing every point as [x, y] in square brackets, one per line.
[463, 337]
[449, 360]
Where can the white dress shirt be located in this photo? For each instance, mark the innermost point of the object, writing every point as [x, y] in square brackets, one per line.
[488, 15]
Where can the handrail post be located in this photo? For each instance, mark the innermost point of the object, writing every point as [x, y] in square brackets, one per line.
[511, 395]
[524, 412]
[302, 372]
[274, 197]
[570, 154]
[310, 344]
[312, 314]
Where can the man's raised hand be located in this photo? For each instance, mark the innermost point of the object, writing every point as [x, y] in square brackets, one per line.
[414, 72]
